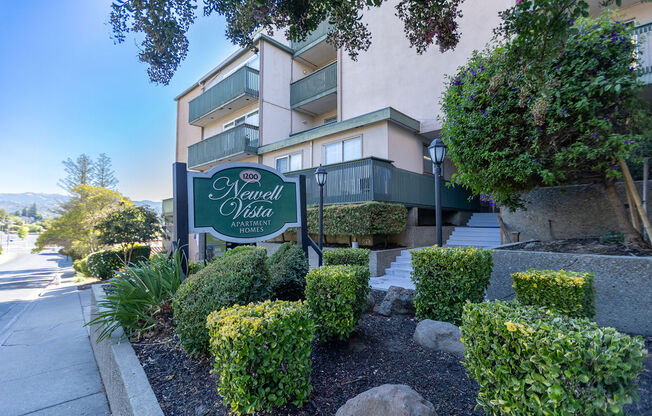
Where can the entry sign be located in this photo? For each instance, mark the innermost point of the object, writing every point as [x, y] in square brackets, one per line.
[242, 202]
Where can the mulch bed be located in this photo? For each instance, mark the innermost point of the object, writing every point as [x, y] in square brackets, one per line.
[583, 246]
[380, 351]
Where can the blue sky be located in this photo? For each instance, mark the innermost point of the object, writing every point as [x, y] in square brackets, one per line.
[66, 89]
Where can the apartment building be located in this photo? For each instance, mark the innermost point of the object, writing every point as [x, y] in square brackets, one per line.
[296, 105]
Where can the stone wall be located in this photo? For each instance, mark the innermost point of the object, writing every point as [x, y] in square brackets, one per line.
[623, 298]
[566, 212]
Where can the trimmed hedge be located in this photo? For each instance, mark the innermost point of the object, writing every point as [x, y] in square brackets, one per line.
[238, 278]
[103, 264]
[337, 296]
[569, 293]
[351, 256]
[370, 218]
[289, 266]
[262, 354]
[240, 249]
[445, 278]
[531, 361]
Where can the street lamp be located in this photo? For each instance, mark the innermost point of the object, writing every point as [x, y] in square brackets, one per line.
[320, 177]
[437, 150]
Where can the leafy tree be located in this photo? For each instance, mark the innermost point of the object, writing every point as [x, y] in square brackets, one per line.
[31, 211]
[78, 172]
[22, 232]
[103, 174]
[557, 102]
[75, 228]
[128, 227]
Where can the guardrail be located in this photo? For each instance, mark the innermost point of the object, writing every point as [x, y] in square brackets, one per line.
[240, 139]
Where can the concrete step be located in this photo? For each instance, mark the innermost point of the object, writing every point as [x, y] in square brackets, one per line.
[475, 238]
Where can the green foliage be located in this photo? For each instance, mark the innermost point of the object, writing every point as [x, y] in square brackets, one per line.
[288, 267]
[564, 117]
[78, 172]
[34, 228]
[127, 227]
[238, 278]
[81, 267]
[612, 237]
[445, 278]
[240, 249]
[103, 264]
[351, 256]
[262, 354]
[22, 232]
[75, 228]
[337, 296]
[569, 293]
[137, 294]
[370, 218]
[531, 361]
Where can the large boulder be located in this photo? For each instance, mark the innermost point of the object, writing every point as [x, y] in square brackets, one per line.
[388, 400]
[398, 301]
[440, 336]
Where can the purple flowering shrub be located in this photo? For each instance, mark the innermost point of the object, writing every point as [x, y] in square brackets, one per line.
[513, 123]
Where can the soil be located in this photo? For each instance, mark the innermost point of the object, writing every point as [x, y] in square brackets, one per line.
[380, 351]
[583, 246]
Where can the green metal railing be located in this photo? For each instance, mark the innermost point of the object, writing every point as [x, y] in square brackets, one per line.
[373, 179]
[241, 82]
[313, 86]
[167, 207]
[321, 32]
[643, 36]
[240, 139]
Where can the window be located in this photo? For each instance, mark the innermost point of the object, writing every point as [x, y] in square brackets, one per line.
[427, 162]
[342, 151]
[288, 163]
[251, 119]
[330, 120]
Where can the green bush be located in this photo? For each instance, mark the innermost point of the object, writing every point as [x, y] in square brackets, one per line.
[240, 249]
[262, 354]
[531, 361]
[288, 266]
[351, 256]
[238, 278]
[103, 264]
[445, 278]
[337, 296]
[140, 252]
[81, 267]
[371, 218]
[136, 295]
[569, 293]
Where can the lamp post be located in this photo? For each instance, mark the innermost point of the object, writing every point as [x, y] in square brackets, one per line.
[320, 177]
[437, 150]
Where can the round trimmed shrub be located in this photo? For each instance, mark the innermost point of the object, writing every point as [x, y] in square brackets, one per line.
[239, 278]
[289, 266]
[337, 296]
[533, 361]
[351, 256]
[446, 278]
[262, 354]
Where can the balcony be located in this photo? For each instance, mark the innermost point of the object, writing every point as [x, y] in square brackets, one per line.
[232, 93]
[643, 36]
[317, 92]
[167, 207]
[373, 179]
[233, 144]
[314, 49]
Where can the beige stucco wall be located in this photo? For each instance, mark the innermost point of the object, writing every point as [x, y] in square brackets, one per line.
[220, 75]
[392, 74]
[217, 126]
[405, 149]
[276, 71]
[186, 133]
[641, 13]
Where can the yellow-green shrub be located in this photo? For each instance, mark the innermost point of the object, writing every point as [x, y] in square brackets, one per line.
[262, 354]
[569, 293]
[533, 361]
[289, 266]
[81, 267]
[337, 296]
[238, 278]
[370, 218]
[445, 278]
[351, 256]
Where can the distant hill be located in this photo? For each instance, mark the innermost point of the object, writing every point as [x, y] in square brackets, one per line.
[47, 204]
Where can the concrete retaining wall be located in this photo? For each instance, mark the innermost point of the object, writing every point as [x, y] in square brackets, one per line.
[125, 381]
[623, 284]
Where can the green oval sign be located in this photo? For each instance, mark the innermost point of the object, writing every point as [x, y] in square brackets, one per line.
[242, 202]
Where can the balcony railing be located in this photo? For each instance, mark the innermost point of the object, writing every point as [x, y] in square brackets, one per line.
[243, 82]
[643, 37]
[373, 179]
[316, 35]
[316, 85]
[167, 207]
[240, 140]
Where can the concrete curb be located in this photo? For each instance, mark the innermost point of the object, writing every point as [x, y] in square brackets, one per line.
[125, 381]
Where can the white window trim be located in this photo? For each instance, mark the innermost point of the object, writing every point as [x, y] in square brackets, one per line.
[288, 158]
[224, 128]
[323, 150]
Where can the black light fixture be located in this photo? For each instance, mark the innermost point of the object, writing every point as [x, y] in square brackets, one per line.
[437, 150]
[320, 177]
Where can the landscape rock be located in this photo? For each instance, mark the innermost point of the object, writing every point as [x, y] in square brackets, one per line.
[440, 336]
[398, 301]
[388, 400]
[371, 303]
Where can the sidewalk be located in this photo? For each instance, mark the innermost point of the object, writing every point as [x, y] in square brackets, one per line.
[47, 365]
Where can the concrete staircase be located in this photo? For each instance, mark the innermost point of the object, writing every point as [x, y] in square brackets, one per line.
[482, 230]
